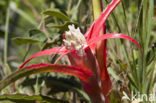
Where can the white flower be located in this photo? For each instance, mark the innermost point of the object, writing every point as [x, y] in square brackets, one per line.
[74, 39]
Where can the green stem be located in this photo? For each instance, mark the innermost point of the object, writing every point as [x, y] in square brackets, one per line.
[6, 66]
[96, 8]
[6, 36]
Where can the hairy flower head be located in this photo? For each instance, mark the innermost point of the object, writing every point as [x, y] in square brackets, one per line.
[74, 39]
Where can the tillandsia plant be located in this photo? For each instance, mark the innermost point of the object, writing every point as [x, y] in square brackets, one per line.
[87, 56]
[87, 60]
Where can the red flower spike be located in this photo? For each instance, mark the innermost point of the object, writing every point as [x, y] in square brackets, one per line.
[55, 50]
[87, 61]
[70, 70]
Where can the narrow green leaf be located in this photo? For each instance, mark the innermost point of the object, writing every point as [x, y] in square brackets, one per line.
[132, 81]
[150, 81]
[23, 98]
[113, 74]
[150, 56]
[57, 14]
[23, 40]
[149, 23]
[23, 14]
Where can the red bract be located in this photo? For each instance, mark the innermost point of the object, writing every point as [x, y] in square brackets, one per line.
[86, 65]
[70, 70]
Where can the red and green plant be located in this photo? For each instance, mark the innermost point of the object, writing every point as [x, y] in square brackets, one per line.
[87, 56]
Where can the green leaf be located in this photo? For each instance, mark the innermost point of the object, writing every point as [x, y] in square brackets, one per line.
[58, 84]
[64, 26]
[23, 40]
[23, 98]
[149, 24]
[133, 83]
[151, 56]
[23, 14]
[57, 14]
[37, 34]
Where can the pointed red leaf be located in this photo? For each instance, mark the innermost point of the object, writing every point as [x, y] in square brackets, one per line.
[70, 70]
[88, 32]
[55, 50]
[101, 20]
[113, 35]
[63, 54]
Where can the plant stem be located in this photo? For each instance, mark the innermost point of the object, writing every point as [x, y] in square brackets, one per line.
[6, 66]
[96, 8]
[6, 36]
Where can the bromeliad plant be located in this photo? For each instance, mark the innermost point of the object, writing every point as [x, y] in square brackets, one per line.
[87, 60]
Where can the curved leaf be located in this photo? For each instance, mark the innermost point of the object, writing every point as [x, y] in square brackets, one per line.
[57, 14]
[55, 50]
[27, 99]
[42, 68]
[23, 40]
[101, 20]
[113, 35]
[62, 55]
[89, 32]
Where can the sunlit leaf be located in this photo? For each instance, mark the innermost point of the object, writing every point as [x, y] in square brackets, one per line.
[56, 14]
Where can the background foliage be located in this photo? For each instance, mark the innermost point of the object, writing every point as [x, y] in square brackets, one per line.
[28, 26]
